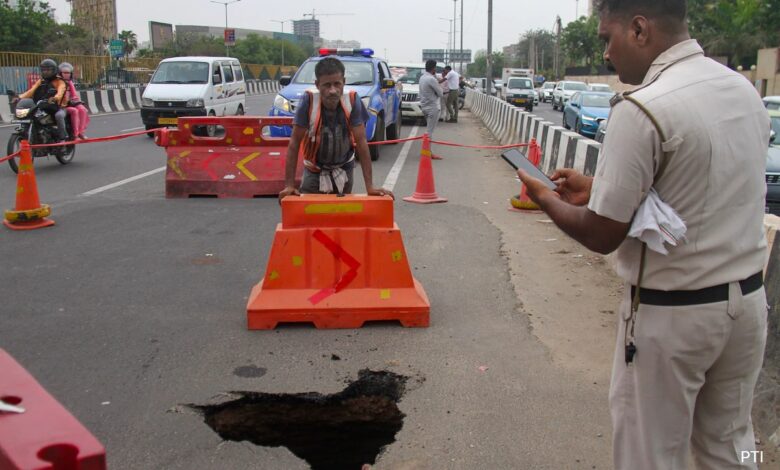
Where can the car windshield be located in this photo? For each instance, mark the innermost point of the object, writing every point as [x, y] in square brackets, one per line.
[600, 88]
[182, 72]
[356, 73]
[574, 86]
[772, 106]
[549, 86]
[596, 101]
[519, 83]
[412, 76]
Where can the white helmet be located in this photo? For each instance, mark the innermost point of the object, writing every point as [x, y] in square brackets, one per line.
[66, 67]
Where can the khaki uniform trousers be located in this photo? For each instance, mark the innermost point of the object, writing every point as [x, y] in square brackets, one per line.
[691, 384]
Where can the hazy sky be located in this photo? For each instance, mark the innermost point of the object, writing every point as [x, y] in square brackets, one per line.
[396, 29]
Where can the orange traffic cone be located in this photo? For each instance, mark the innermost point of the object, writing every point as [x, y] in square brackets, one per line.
[29, 213]
[425, 193]
[522, 201]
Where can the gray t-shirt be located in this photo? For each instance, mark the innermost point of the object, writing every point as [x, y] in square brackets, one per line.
[430, 92]
[336, 144]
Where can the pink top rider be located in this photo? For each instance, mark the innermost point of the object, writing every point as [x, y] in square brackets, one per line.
[79, 116]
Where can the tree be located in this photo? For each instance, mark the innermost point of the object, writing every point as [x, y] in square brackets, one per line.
[27, 27]
[735, 28]
[478, 68]
[581, 42]
[130, 42]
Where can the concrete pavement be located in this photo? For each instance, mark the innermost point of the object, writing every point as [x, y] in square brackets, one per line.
[133, 306]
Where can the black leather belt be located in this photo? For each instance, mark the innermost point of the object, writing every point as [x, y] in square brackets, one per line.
[707, 295]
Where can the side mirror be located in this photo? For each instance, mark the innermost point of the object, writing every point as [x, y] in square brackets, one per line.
[216, 79]
[388, 83]
[285, 80]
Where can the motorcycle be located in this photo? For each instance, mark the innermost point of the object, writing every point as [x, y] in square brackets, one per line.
[461, 97]
[37, 126]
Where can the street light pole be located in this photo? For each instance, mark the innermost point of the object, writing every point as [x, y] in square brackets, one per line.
[461, 37]
[450, 39]
[227, 48]
[282, 22]
[489, 61]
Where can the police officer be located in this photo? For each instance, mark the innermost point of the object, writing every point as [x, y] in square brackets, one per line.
[689, 352]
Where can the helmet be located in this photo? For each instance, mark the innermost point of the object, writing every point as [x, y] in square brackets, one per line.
[48, 69]
[66, 67]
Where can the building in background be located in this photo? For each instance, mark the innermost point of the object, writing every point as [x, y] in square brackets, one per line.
[309, 28]
[219, 31]
[97, 17]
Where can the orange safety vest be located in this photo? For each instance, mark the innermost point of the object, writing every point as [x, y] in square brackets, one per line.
[311, 144]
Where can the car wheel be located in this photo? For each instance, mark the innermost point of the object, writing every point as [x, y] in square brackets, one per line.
[379, 135]
[150, 134]
[240, 110]
[530, 109]
[578, 127]
[394, 131]
[565, 126]
[211, 130]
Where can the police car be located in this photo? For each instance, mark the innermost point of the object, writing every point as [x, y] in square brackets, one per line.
[369, 76]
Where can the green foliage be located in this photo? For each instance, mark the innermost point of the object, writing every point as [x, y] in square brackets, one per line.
[735, 28]
[260, 50]
[130, 40]
[478, 68]
[27, 27]
[581, 43]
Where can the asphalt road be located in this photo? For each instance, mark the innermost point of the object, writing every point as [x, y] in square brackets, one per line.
[133, 306]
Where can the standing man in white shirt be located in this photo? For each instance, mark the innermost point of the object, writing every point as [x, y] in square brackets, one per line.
[453, 82]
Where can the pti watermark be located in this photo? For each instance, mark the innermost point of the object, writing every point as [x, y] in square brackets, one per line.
[755, 456]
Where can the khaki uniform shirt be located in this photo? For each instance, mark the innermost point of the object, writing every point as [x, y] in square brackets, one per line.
[717, 134]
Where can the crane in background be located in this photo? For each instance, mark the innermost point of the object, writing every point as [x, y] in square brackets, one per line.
[314, 15]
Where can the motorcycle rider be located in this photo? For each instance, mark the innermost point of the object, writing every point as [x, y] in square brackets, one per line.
[57, 103]
[79, 116]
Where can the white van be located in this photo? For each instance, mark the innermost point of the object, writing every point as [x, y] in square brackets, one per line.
[193, 86]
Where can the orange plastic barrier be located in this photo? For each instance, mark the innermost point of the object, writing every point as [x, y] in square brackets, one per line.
[337, 262]
[29, 214]
[239, 162]
[45, 435]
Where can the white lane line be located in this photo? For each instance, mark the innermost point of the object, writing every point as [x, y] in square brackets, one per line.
[395, 171]
[124, 181]
[132, 129]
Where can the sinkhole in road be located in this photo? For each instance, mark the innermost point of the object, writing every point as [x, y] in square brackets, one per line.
[343, 431]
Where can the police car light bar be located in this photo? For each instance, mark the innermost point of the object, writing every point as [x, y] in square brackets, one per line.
[334, 51]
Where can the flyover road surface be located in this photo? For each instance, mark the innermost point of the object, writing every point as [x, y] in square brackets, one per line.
[133, 306]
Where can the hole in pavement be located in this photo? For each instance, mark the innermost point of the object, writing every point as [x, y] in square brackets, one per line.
[341, 431]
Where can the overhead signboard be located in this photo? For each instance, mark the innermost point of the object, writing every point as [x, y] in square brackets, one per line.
[447, 55]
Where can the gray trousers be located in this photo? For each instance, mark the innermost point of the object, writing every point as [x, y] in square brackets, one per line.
[452, 104]
[60, 116]
[431, 119]
[690, 385]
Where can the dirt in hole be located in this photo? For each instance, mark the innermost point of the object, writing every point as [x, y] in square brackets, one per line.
[341, 431]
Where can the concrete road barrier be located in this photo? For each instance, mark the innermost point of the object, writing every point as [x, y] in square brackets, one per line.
[129, 99]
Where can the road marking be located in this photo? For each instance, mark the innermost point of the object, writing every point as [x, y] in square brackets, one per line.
[395, 171]
[132, 129]
[124, 181]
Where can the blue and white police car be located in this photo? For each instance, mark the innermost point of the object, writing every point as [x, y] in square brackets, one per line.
[369, 76]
